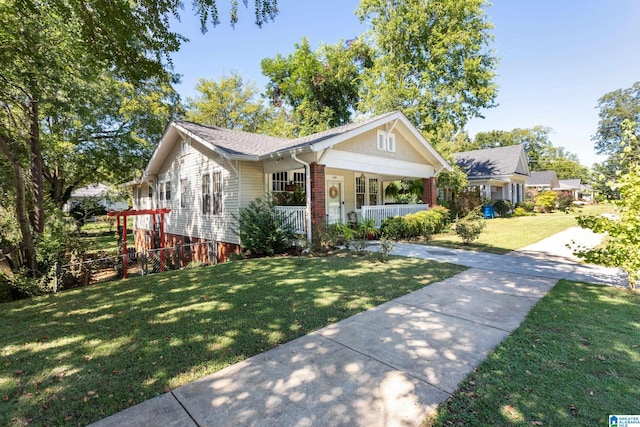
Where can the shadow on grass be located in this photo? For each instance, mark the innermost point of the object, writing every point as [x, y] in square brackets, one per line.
[574, 361]
[476, 247]
[81, 355]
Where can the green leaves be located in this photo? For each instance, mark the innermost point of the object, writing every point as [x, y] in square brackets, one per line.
[229, 103]
[622, 245]
[321, 88]
[431, 60]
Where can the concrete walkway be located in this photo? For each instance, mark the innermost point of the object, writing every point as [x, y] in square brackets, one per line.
[388, 366]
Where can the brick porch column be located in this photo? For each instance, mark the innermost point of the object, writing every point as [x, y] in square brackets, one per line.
[429, 191]
[318, 209]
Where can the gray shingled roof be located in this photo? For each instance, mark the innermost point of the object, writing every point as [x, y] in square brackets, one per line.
[490, 161]
[253, 144]
[570, 183]
[539, 178]
[234, 141]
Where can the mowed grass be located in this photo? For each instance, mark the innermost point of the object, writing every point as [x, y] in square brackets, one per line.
[75, 357]
[100, 236]
[502, 235]
[573, 362]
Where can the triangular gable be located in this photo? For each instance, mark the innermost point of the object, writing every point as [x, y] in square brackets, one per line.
[237, 145]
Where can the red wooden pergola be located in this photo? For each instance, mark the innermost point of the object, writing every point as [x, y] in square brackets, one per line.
[125, 214]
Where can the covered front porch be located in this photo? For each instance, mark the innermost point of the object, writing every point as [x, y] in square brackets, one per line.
[496, 189]
[341, 196]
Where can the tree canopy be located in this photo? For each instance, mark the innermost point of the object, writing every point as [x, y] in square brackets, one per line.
[431, 60]
[616, 107]
[230, 103]
[82, 83]
[321, 88]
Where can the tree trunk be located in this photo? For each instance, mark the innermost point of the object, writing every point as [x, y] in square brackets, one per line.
[21, 207]
[37, 215]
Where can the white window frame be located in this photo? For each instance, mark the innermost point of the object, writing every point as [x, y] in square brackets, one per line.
[367, 190]
[205, 194]
[386, 141]
[183, 187]
[279, 180]
[185, 147]
[217, 197]
[381, 140]
[391, 143]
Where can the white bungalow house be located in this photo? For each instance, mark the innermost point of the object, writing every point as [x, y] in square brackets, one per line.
[205, 174]
[499, 172]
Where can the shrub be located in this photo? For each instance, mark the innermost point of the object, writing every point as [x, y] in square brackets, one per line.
[547, 200]
[565, 202]
[394, 228]
[262, 230]
[386, 246]
[527, 205]
[424, 223]
[502, 207]
[520, 211]
[470, 227]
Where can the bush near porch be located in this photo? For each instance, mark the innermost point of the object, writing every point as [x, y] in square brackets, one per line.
[421, 224]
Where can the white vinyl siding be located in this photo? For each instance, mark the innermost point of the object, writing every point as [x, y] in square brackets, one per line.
[188, 169]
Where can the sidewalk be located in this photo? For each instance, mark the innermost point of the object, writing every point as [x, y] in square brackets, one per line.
[388, 366]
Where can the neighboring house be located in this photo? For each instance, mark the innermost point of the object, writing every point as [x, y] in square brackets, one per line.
[540, 181]
[499, 172]
[101, 193]
[205, 174]
[579, 191]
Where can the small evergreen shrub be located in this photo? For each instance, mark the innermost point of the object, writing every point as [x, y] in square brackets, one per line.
[262, 230]
[502, 207]
[394, 228]
[470, 227]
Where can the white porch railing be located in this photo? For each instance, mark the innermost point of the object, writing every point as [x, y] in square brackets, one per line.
[294, 216]
[379, 213]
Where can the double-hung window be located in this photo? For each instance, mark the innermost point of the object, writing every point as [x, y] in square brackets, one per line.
[217, 193]
[373, 191]
[206, 194]
[183, 193]
[361, 189]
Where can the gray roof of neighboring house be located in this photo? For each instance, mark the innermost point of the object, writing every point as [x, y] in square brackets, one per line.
[490, 161]
[252, 144]
[91, 190]
[541, 178]
[573, 184]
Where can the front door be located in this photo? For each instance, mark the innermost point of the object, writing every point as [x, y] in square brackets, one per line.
[334, 190]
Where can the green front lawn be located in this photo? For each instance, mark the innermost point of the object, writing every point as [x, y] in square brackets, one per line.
[502, 235]
[573, 362]
[80, 355]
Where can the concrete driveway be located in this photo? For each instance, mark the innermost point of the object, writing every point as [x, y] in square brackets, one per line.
[388, 366]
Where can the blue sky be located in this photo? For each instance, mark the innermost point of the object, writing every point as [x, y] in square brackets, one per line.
[557, 57]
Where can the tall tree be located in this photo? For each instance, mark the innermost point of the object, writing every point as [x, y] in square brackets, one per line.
[319, 88]
[622, 246]
[616, 107]
[535, 140]
[432, 61]
[229, 103]
[52, 50]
